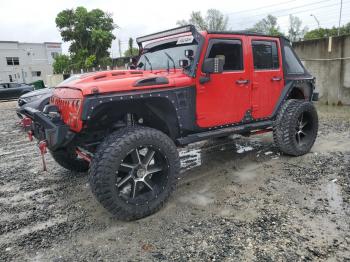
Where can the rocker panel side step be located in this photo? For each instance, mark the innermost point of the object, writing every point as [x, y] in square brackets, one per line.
[239, 129]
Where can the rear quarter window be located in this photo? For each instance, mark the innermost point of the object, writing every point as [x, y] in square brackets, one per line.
[292, 65]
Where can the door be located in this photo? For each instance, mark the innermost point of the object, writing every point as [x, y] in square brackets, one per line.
[225, 97]
[267, 75]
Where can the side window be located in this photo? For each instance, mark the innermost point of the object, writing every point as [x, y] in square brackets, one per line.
[230, 51]
[265, 55]
[13, 85]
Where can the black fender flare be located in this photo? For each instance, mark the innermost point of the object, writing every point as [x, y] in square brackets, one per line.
[305, 86]
[181, 101]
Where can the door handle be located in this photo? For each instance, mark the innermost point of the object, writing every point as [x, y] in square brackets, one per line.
[276, 78]
[242, 81]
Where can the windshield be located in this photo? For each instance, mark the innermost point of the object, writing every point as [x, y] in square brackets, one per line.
[70, 79]
[165, 56]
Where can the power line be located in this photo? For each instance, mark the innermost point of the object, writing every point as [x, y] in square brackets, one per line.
[298, 12]
[308, 10]
[292, 8]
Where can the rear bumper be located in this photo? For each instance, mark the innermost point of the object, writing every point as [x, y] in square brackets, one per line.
[44, 128]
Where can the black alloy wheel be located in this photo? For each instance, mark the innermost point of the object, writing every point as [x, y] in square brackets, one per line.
[142, 175]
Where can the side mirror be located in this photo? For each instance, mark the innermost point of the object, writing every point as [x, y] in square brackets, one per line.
[183, 63]
[213, 65]
[189, 53]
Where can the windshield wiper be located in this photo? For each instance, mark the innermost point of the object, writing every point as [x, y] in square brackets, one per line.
[171, 59]
[149, 62]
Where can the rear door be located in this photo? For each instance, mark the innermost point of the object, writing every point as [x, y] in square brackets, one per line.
[267, 75]
[225, 98]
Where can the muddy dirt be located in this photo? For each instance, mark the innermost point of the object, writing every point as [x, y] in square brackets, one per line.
[237, 199]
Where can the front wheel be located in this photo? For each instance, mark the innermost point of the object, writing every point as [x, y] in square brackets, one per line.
[134, 172]
[296, 126]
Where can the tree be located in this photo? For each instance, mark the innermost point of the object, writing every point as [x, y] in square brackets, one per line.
[295, 32]
[214, 20]
[327, 32]
[267, 26]
[132, 51]
[90, 34]
[61, 64]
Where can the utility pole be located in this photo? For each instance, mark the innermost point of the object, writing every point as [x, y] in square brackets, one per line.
[318, 22]
[120, 47]
[341, 8]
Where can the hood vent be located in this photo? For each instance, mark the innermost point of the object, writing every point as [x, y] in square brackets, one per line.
[99, 77]
[152, 81]
[118, 73]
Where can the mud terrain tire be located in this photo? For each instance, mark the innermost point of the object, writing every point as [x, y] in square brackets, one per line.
[113, 172]
[68, 159]
[296, 127]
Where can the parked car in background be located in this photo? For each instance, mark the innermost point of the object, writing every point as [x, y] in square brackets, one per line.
[14, 90]
[37, 99]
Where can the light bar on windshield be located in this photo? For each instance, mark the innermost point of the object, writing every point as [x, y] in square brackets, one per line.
[170, 32]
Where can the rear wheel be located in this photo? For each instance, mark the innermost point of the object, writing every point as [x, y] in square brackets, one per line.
[134, 172]
[296, 126]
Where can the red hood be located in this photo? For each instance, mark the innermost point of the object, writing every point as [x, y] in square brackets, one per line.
[125, 80]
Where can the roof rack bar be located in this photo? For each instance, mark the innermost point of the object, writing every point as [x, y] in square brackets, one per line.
[170, 32]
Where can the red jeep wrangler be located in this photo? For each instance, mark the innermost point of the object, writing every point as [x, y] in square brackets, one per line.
[125, 126]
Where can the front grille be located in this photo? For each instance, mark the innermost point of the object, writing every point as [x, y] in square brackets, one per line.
[69, 109]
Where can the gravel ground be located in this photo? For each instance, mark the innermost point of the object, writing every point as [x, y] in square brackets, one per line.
[237, 199]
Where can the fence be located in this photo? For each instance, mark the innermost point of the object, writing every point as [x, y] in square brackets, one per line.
[328, 59]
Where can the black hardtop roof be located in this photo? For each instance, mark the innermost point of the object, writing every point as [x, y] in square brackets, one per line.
[195, 32]
[245, 32]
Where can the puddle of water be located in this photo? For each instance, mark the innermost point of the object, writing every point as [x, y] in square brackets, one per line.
[248, 173]
[335, 198]
[199, 199]
[333, 143]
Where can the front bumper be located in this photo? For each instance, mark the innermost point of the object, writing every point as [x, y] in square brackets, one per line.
[52, 130]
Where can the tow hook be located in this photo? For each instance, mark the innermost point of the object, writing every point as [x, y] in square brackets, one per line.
[30, 136]
[43, 150]
[26, 122]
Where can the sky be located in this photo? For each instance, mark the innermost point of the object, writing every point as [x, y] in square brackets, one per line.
[34, 20]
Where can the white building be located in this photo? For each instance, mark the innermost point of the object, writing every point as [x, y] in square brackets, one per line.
[27, 62]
